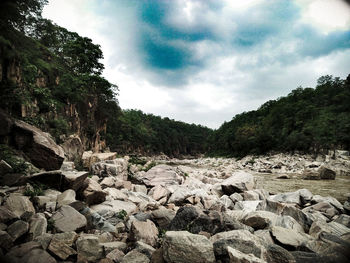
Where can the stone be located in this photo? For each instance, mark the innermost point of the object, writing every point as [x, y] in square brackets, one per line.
[115, 206]
[140, 188]
[331, 200]
[67, 238]
[288, 237]
[74, 179]
[241, 240]
[277, 254]
[89, 248]
[327, 173]
[52, 194]
[319, 226]
[73, 148]
[324, 207]
[238, 182]
[163, 217]
[110, 246]
[179, 196]
[108, 182]
[6, 241]
[38, 146]
[146, 232]
[158, 192]
[144, 249]
[260, 219]
[37, 226]
[17, 229]
[117, 168]
[52, 179]
[115, 194]
[96, 221]
[93, 193]
[60, 249]
[5, 167]
[237, 256]
[265, 236]
[250, 195]
[289, 223]
[135, 257]
[19, 204]
[67, 166]
[250, 206]
[235, 197]
[6, 215]
[66, 198]
[68, 219]
[344, 220]
[183, 247]
[38, 256]
[41, 201]
[291, 197]
[90, 158]
[116, 255]
[44, 240]
[161, 175]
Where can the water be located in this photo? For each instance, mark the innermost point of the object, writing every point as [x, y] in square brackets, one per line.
[336, 188]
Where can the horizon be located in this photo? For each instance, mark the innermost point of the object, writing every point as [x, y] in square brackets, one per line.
[204, 62]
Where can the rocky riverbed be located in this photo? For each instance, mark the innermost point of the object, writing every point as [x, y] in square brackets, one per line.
[169, 210]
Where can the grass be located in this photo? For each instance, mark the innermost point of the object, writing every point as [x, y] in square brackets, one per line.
[122, 214]
[38, 189]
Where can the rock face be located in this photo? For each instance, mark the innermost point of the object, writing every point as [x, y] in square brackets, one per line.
[161, 175]
[238, 182]
[73, 148]
[183, 247]
[38, 146]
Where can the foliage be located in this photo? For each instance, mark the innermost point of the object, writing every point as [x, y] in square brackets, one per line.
[50, 224]
[307, 120]
[137, 161]
[122, 214]
[8, 155]
[149, 166]
[38, 189]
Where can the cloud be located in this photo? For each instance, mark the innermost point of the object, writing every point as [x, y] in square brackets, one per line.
[205, 61]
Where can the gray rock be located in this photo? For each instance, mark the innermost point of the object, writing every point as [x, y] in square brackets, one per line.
[289, 223]
[116, 255]
[17, 229]
[260, 219]
[277, 254]
[93, 193]
[115, 206]
[66, 198]
[344, 220]
[323, 207]
[89, 248]
[161, 175]
[238, 182]
[291, 197]
[73, 148]
[183, 247]
[60, 248]
[117, 168]
[163, 217]
[44, 240]
[19, 204]
[37, 226]
[110, 246]
[6, 241]
[237, 256]
[135, 257]
[158, 192]
[140, 188]
[68, 219]
[326, 173]
[6, 215]
[74, 180]
[146, 232]
[144, 249]
[288, 237]
[334, 228]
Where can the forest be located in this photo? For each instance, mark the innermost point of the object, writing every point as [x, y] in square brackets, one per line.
[60, 68]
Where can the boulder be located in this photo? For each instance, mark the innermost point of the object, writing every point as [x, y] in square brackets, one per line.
[110, 246]
[74, 179]
[163, 217]
[135, 257]
[277, 254]
[17, 229]
[73, 148]
[52, 179]
[344, 220]
[238, 182]
[6, 241]
[242, 240]
[237, 256]
[90, 158]
[319, 226]
[68, 219]
[161, 175]
[37, 226]
[140, 188]
[116, 255]
[183, 247]
[66, 198]
[60, 248]
[288, 237]
[144, 249]
[323, 173]
[6, 215]
[146, 232]
[291, 197]
[159, 192]
[19, 204]
[89, 248]
[38, 146]
[93, 193]
[260, 219]
[115, 206]
[117, 168]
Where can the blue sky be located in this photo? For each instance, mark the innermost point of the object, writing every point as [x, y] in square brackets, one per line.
[205, 61]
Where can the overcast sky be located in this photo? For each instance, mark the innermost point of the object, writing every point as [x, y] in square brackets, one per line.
[203, 61]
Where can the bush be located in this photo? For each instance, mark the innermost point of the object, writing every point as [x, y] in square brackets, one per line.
[8, 155]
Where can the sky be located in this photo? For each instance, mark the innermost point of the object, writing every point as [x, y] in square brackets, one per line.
[204, 61]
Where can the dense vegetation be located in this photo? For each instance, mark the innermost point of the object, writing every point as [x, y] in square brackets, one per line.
[307, 120]
[146, 133]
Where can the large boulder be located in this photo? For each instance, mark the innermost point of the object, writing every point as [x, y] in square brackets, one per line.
[93, 193]
[161, 175]
[238, 182]
[68, 219]
[73, 179]
[183, 247]
[38, 146]
[89, 248]
[89, 158]
[73, 148]
[117, 168]
[323, 173]
[146, 232]
[289, 237]
[19, 204]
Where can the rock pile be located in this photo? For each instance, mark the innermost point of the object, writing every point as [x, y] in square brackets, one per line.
[121, 213]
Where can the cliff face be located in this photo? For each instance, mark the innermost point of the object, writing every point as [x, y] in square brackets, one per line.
[25, 96]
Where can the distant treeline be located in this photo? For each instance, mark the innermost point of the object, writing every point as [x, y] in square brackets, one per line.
[136, 132]
[307, 120]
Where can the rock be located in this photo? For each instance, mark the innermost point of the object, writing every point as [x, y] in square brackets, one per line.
[265, 236]
[327, 173]
[135, 257]
[116, 255]
[90, 158]
[74, 180]
[19, 204]
[5, 167]
[309, 257]
[6, 241]
[144, 249]
[291, 197]
[68, 219]
[146, 232]
[260, 219]
[6, 215]
[41, 201]
[242, 240]
[277, 254]
[60, 248]
[288, 237]
[183, 247]
[324, 207]
[96, 221]
[44, 240]
[250, 206]
[108, 182]
[115, 194]
[344, 220]
[179, 195]
[37, 256]
[118, 168]
[235, 197]
[302, 218]
[289, 223]
[319, 226]
[66, 198]
[93, 193]
[163, 217]
[238, 182]
[237, 256]
[52, 179]
[67, 238]
[140, 188]
[110, 246]
[89, 248]
[161, 175]
[331, 200]
[67, 166]
[284, 176]
[73, 148]
[29, 252]
[115, 206]
[38, 146]
[158, 192]
[17, 229]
